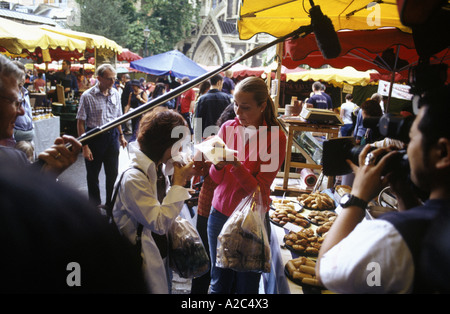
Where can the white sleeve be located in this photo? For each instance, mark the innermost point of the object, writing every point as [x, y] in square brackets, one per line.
[373, 258]
[139, 198]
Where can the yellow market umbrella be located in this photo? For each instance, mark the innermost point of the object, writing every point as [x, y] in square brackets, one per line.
[92, 41]
[17, 39]
[281, 17]
[334, 76]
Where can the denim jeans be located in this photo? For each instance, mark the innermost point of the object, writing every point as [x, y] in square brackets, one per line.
[224, 280]
[347, 129]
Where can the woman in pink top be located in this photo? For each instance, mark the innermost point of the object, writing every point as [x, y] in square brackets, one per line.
[261, 145]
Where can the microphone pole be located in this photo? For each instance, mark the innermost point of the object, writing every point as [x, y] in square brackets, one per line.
[301, 31]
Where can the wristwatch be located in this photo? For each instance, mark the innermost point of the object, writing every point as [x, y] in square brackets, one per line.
[351, 200]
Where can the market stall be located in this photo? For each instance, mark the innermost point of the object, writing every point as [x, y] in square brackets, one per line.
[169, 63]
[19, 40]
[104, 50]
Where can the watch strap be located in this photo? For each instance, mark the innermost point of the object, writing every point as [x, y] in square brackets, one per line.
[354, 201]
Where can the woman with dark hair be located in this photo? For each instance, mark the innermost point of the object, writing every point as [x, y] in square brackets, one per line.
[160, 89]
[143, 198]
[261, 145]
[137, 98]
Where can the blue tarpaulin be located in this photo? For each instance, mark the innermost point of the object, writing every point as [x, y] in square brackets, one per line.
[169, 63]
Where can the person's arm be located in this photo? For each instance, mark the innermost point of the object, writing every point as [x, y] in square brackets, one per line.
[144, 98]
[74, 84]
[59, 157]
[368, 182]
[122, 141]
[127, 107]
[87, 154]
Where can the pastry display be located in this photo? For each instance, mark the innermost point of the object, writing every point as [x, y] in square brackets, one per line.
[320, 218]
[302, 270]
[284, 214]
[317, 201]
[279, 204]
[304, 242]
[324, 229]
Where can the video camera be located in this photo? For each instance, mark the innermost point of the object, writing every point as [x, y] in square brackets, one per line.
[337, 151]
[422, 78]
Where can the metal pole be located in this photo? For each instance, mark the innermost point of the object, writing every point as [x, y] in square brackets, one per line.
[146, 49]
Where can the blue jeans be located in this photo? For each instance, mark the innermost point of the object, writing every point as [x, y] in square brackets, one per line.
[224, 280]
[346, 130]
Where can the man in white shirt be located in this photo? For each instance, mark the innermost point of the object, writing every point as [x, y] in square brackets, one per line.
[383, 255]
[347, 109]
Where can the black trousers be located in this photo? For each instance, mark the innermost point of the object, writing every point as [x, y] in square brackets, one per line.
[105, 150]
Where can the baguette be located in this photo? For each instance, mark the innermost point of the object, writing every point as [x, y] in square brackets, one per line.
[307, 269]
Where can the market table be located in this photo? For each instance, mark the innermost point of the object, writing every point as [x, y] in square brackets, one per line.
[45, 133]
[276, 282]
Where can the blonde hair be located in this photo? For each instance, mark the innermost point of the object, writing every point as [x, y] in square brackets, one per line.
[27, 148]
[260, 91]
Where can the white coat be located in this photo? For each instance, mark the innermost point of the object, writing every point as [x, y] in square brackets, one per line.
[137, 201]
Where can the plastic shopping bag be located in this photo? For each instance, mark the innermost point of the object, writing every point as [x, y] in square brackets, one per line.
[187, 254]
[243, 243]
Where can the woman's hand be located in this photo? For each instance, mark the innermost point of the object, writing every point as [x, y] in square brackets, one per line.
[182, 174]
[234, 162]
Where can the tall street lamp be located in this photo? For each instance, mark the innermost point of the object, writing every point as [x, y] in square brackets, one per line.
[146, 35]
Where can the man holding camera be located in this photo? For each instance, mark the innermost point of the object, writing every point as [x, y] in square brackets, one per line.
[384, 255]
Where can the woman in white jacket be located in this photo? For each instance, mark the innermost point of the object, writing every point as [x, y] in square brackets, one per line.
[138, 202]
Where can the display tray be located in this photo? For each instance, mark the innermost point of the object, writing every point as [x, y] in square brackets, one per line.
[311, 288]
[297, 206]
[299, 209]
[299, 253]
[323, 201]
[292, 222]
[322, 212]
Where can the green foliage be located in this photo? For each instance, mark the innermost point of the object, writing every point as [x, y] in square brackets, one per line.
[101, 17]
[169, 22]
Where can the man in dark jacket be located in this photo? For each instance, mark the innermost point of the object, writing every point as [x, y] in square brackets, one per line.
[211, 105]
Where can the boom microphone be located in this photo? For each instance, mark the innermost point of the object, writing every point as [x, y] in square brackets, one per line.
[326, 37]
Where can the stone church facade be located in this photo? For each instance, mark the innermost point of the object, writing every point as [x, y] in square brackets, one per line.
[216, 40]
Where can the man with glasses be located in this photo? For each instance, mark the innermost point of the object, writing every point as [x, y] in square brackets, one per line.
[53, 160]
[49, 228]
[23, 129]
[99, 105]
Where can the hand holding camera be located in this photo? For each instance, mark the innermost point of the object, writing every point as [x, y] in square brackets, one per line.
[369, 176]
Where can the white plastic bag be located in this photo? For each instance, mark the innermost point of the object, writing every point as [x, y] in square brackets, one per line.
[187, 254]
[243, 243]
